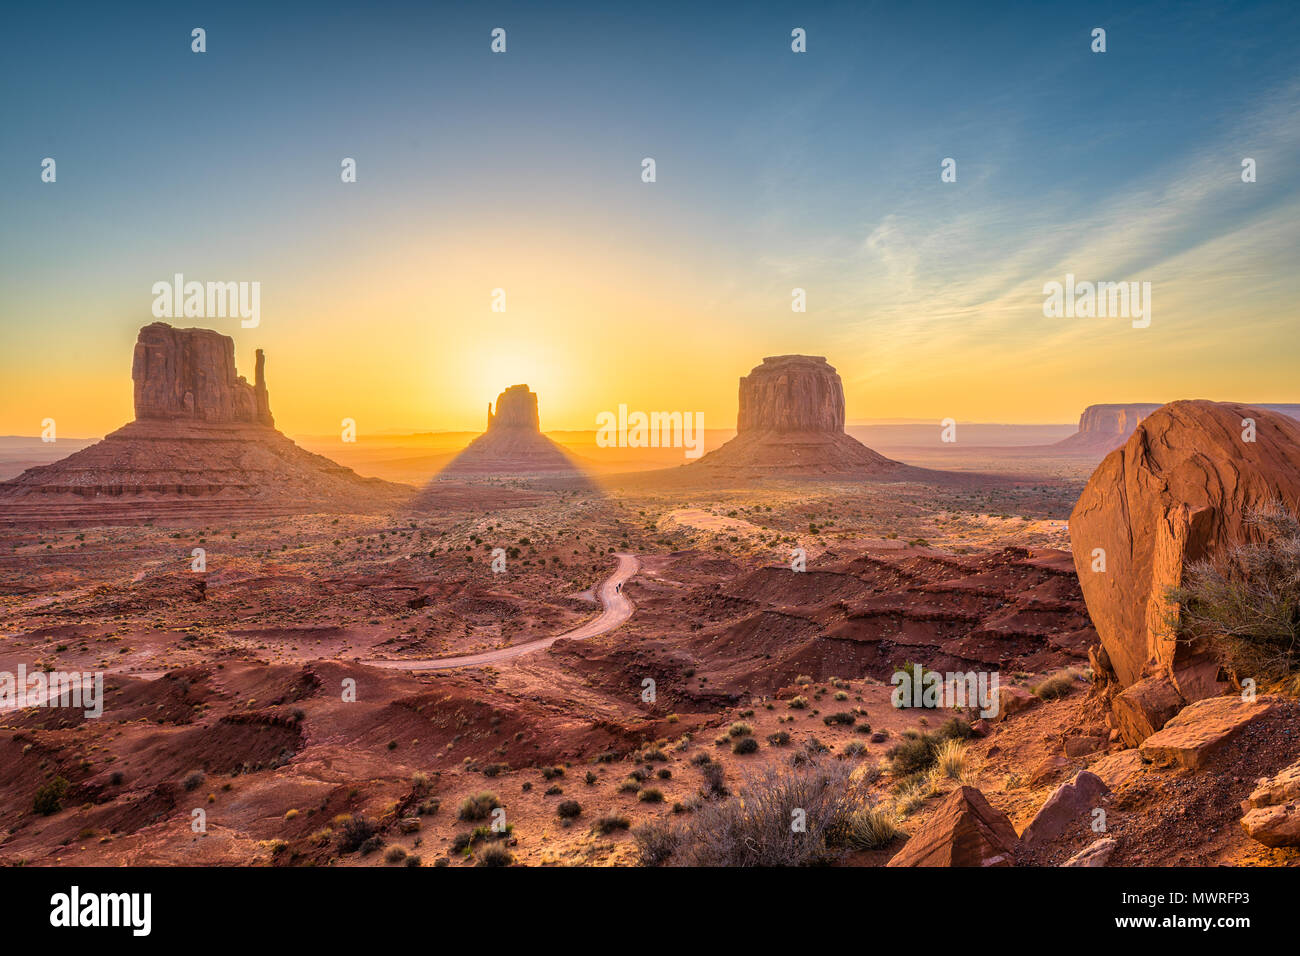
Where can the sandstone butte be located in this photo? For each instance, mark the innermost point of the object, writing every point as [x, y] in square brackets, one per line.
[790, 419]
[513, 443]
[203, 442]
[1176, 492]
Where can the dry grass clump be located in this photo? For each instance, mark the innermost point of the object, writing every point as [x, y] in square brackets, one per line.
[1244, 604]
[479, 806]
[758, 828]
[1057, 685]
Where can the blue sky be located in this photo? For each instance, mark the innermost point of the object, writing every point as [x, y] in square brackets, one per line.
[775, 170]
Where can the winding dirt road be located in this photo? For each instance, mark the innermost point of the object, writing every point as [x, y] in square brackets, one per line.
[617, 609]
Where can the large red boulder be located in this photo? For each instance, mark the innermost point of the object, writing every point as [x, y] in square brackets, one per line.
[1176, 492]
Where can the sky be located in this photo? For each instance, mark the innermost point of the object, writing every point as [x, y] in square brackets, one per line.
[775, 170]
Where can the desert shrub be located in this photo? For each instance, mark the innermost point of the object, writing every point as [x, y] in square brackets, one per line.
[652, 754]
[193, 779]
[843, 717]
[550, 773]
[869, 828]
[754, 828]
[49, 797]
[913, 791]
[715, 781]
[701, 758]
[854, 748]
[651, 795]
[394, 854]
[655, 842]
[608, 824]
[955, 729]
[740, 729]
[799, 702]
[915, 753]
[590, 779]
[778, 739]
[745, 745]
[630, 785]
[950, 761]
[479, 806]
[354, 831]
[916, 673]
[1056, 685]
[495, 769]
[1244, 604]
[495, 855]
[371, 844]
[568, 809]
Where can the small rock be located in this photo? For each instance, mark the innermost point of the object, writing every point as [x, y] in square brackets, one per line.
[1094, 854]
[1202, 730]
[1064, 808]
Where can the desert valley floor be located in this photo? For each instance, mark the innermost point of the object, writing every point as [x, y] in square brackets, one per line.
[225, 690]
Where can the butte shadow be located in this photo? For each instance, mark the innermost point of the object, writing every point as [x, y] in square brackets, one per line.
[203, 444]
[790, 427]
[511, 465]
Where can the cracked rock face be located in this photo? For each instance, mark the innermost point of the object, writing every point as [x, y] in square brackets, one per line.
[189, 375]
[792, 393]
[1176, 492]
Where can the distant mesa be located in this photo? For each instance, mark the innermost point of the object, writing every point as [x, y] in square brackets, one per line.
[513, 444]
[791, 420]
[1103, 428]
[203, 443]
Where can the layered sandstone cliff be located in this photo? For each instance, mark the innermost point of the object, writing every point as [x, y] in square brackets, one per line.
[189, 375]
[792, 393]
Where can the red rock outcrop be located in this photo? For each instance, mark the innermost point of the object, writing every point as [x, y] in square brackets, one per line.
[1176, 492]
[189, 375]
[1271, 814]
[1200, 731]
[1070, 806]
[791, 420]
[964, 831]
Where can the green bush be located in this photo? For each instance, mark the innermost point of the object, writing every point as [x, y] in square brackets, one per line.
[49, 798]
